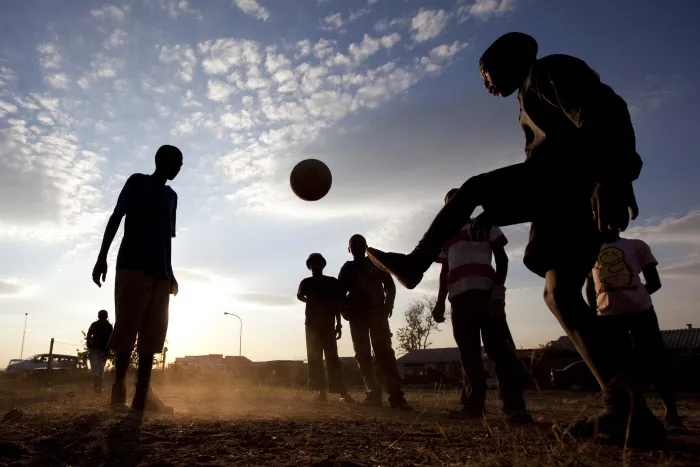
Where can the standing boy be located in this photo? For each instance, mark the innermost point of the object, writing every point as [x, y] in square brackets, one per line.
[144, 277]
[477, 296]
[623, 302]
[323, 298]
[97, 341]
[580, 163]
[369, 302]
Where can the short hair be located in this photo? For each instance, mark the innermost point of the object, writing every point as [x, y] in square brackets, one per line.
[450, 194]
[167, 152]
[357, 237]
[516, 45]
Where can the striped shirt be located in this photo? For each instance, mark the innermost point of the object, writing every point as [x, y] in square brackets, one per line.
[469, 261]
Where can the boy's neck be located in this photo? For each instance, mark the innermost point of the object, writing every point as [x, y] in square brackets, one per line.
[316, 274]
[159, 177]
[357, 259]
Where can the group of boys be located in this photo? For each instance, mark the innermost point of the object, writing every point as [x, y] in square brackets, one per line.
[575, 188]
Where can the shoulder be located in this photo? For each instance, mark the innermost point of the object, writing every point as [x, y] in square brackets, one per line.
[559, 66]
[172, 193]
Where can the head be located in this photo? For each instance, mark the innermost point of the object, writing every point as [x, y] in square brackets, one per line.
[168, 161]
[507, 62]
[357, 246]
[450, 194]
[316, 263]
[102, 314]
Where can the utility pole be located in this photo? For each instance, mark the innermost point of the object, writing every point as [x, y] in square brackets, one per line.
[24, 333]
[240, 332]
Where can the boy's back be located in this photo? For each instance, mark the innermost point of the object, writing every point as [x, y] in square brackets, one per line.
[364, 283]
[149, 225]
[323, 295]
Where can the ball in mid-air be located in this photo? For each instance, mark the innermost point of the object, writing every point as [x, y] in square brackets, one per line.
[311, 180]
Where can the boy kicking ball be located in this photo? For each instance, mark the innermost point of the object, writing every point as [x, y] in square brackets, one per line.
[323, 297]
[144, 278]
[580, 157]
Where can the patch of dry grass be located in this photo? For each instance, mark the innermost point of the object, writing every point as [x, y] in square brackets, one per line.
[251, 424]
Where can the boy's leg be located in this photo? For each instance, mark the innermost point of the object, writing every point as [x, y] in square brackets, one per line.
[359, 331]
[467, 309]
[333, 368]
[380, 333]
[131, 296]
[499, 346]
[314, 355]
[152, 333]
[649, 346]
[512, 195]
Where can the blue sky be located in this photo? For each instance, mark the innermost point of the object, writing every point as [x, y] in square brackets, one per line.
[386, 92]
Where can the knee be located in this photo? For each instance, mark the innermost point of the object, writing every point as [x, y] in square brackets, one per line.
[555, 295]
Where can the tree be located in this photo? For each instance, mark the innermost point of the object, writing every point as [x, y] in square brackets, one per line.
[419, 324]
[111, 356]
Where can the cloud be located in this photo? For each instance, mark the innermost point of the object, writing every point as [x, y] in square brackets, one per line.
[10, 288]
[58, 80]
[252, 8]
[177, 8]
[49, 57]
[104, 66]
[115, 39]
[428, 24]
[683, 270]
[485, 9]
[111, 12]
[218, 91]
[181, 55]
[370, 45]
[266, 299]
[679, 230]
[333, 22]
[223, 54]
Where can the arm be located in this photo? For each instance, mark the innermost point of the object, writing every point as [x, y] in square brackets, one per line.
[590, 294]
[301, 293]
[499, 254]
[174, 286]
[389, 290]
[651, 276]
[442, 290]
[89, 335]
[100, 269]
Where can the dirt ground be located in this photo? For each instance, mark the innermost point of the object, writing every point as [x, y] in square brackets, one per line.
[66, 425]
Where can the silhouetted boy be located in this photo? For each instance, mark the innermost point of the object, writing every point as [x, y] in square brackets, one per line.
[323, 298]
[369, 301]
[616, 292]
[97, 339]
[477, 296]
[580, 164]
[144, 278]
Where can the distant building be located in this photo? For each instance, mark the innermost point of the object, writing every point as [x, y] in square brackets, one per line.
[214, 360]
[444, 359]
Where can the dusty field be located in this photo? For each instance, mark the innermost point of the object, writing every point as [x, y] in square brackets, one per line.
[68, 425]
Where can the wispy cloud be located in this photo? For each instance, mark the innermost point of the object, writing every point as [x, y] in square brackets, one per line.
[428, 24]
[252, 8]
[485, 9]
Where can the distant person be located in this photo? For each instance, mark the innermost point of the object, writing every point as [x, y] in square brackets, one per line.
[323, 298]
[623, 302]
[576, 181]
[477, 295]
[144, 276]
[369, 302]
[97, 340]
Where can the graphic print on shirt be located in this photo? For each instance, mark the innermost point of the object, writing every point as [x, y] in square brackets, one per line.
[615, 273]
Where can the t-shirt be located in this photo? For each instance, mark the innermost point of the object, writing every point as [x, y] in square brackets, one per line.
[575, 122]
[618, 287]
[149, 226]
[469, 260]
[323, 297]
[98, 335]
[368, 288]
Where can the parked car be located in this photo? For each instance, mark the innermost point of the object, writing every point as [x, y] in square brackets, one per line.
[39, 363]
[574, 377]
[428, 376]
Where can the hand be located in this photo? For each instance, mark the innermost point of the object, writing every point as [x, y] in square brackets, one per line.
[614, 205]
[389, 308]
[439, 312]
[99, 271]
[481, 227]
[338, 331]
[174, 287]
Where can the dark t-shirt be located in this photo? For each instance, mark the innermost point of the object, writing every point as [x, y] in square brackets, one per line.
[98, 335]
[575, 122]
[149, 226]
[365, 285]
[323, 297]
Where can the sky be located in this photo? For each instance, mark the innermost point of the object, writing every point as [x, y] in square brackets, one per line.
[386, 92]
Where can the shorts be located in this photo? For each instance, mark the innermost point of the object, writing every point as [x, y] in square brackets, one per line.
[98, 360]
[141, 309]
[556, 199]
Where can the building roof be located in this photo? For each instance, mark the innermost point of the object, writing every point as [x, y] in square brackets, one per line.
[448, 354]
[674, 339]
